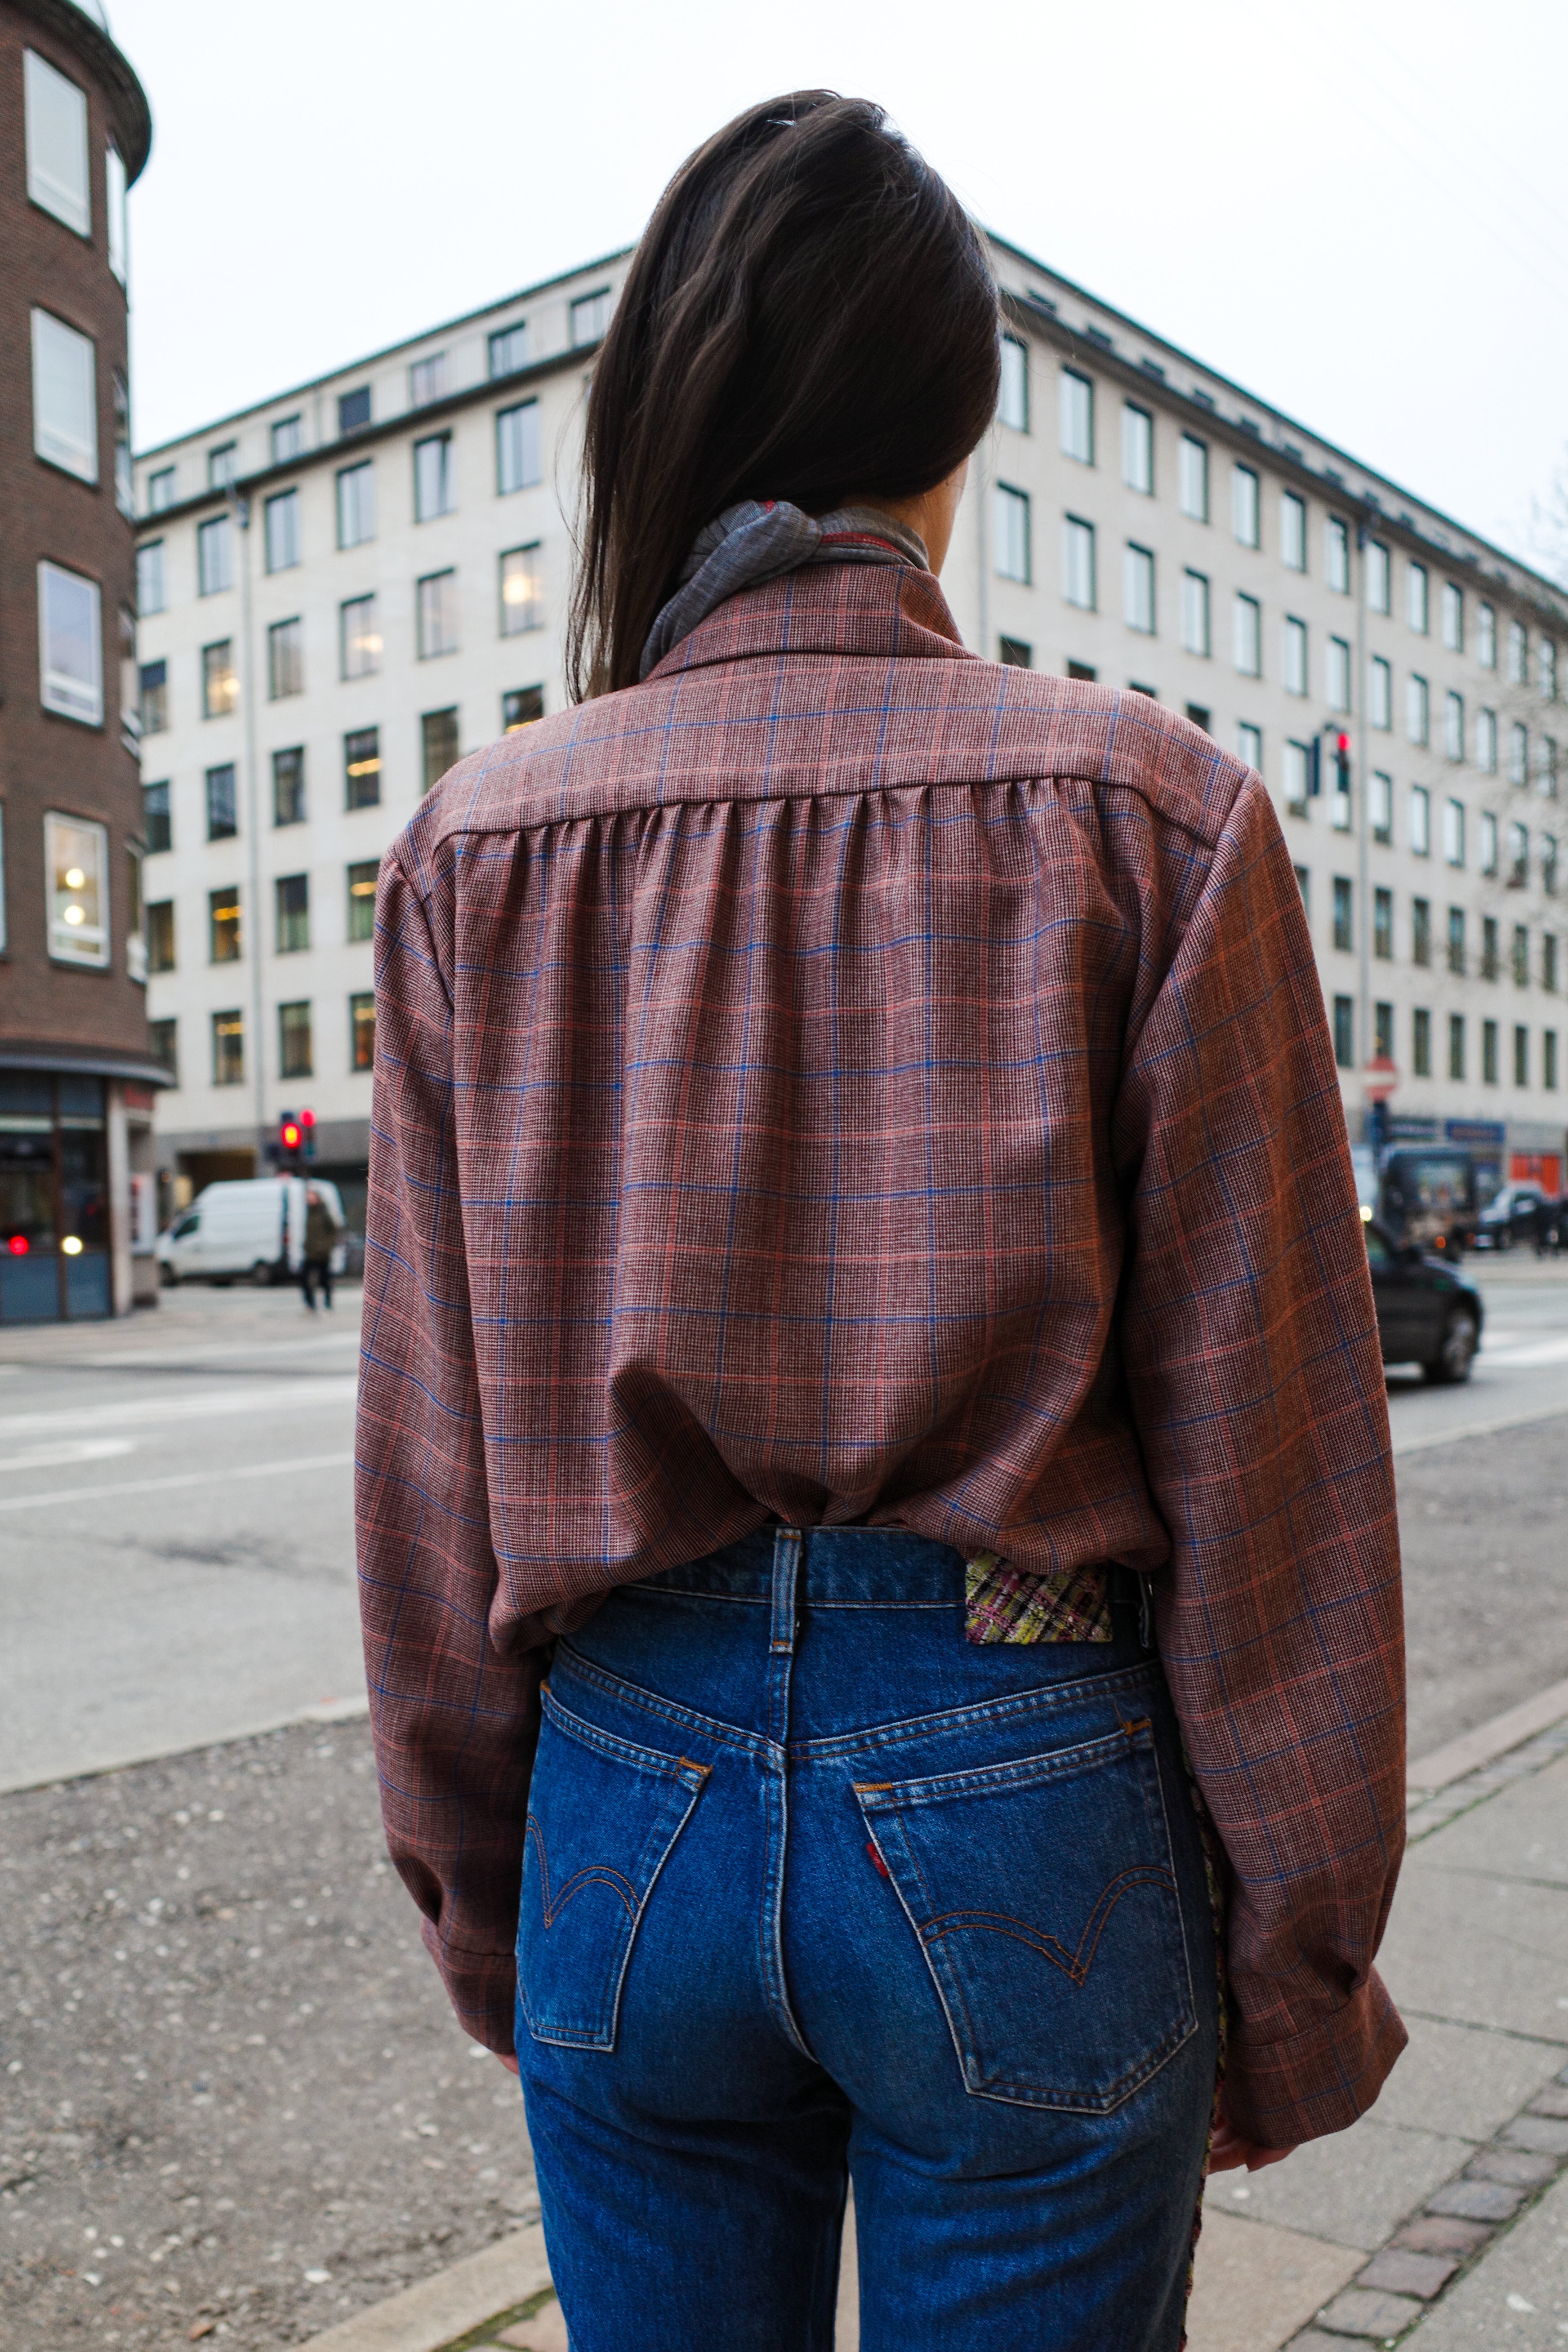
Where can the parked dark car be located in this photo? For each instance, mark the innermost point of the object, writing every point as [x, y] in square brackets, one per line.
[1425, 1315]
[1510, 1217]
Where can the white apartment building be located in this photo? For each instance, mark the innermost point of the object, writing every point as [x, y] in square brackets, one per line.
[348, 586]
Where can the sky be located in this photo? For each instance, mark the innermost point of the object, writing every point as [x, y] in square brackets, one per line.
[1357, 208]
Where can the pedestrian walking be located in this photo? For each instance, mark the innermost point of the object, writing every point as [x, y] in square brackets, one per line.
[322, 1226]
[1546, 1226]
[876, 1527]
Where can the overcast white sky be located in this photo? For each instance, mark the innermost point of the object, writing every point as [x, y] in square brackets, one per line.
[1358, 208]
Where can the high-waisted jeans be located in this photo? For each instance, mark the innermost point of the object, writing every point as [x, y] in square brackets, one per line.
[814, 1887]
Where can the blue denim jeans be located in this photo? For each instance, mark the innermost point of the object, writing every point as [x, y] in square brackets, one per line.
[814, 1887]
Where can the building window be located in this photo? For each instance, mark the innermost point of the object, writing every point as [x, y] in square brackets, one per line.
[434, 484]
[1453, 617]
[124, 487]
[1195, 613]
[1380, 692]
[1138, 449]
[1454, 831]
[1486, 741]
[1522, 955]
[1415, 597]
[223, 465]
[1077, 417]
[1381, 811]
[1454, 726]
[1078, 564]
[1201, 716]
[1382, 925]
[521, 591]
[285, 659]
[1084, 672]
[1546, 669]
[294, 1041]
[150, 578]
[287, 440]
[70, 644]
[161, 489]
[353, 410]
[1297, 777]
[436, 609]
[288, 786]
[1488, 947]
[517, 447]
[222, 805]
[1013, 405]
[215, 556]
[228, 1049]
[156, 829]
[1546, 762]
[1304, 884]
[521, 708]
[361, 768]
[438, 744]
[1548, 964]
[1343, 922]
[1011, 510]
[1246, 506]
[1456, 1044]
[427, 380]
[1520, 1055]
[1489, 842]
[590, 317]
[1549, 1060]
[1489, 1053]
[220, 682]
[1337, 677]
[1344, 1032]
[283, 531]
[1337, 554]
[1382, 1032]
[1014, 654]
[1518, 654]
[65, 396]
[1137, 588]
[1379, 577]
[160, 935]
[293, 896]
[1421, 932]
[1456, 941]
[1421, 1044]
[1485, 636]
[361, 899]
[1293, 653]
[57, 143]
[1292, 532]
[362, 1031]
[223, 926]
[356, 504]
[1417, 721]
[1420, 821]
[1249, 745]
[1519, 755]
[1548, 864]
[359, 637]
[509, 348]
[154, 698]
[1193, 478]
[1518, 856]
[75, 854]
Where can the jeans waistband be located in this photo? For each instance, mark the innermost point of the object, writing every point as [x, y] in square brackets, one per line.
[843, 1568]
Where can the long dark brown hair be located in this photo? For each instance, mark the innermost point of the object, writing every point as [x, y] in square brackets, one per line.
[810, 315]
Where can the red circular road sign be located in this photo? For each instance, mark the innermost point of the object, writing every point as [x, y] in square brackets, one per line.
[1379, 1078]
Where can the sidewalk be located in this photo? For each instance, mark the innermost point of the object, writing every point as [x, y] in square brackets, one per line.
[1440, 2220]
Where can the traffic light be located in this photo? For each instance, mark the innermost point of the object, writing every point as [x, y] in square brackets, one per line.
[308, 1123]
[1341, 762]
[291, 1135]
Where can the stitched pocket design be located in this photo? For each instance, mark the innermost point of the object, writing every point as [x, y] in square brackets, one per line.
[1043, 1899]
[603, 1816]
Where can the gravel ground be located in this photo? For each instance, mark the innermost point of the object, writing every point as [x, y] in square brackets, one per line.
[236, 2105]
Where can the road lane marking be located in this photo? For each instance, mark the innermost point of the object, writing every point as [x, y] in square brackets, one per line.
[1558, 1412]
[201, 1404]
[55, 1457]
[1528, 1356]
[206, 1351]
[181, 1478]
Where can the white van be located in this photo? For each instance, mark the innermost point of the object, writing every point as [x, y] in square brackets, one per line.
[251, 1232]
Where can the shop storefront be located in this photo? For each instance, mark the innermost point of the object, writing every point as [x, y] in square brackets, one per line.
[55, 1242]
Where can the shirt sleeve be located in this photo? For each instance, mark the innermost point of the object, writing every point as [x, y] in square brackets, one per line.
[455, 1717]
[1249, 1337]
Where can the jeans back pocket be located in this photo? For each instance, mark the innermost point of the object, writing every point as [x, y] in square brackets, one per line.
[603, 1816]
[1044, 1897]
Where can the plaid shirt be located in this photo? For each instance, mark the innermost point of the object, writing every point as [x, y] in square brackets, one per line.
[843, 1080]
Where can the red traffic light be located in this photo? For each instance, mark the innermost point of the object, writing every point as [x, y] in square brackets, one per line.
[307, 1118]
[291, 1135]
[1341, 745]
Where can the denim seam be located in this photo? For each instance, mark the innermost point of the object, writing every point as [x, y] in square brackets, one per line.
[1019, 1773]
[621, 1751]
[632, 1695]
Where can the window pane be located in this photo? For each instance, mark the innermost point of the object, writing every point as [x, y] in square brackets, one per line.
[223, 926]
[521, 591]
[1453, 617]
[1195, 613]
[1137, 448]
[428, 379]
[1489, 842]
[1486, 740]
[517, 447]
[1454, 833]
[1249, 636]
[1292, 532]
[356, 505]
[222, 465]
[288, 786]
[156, 826]
[437, 606]
[1421, 932]
[1298, 775]
[1078, 564]
[509, 348]
[294, 1057]
[1193, 478]
[362, 1031]
[70, 644]
[223, 808]
[1420, 820]
[353, 410]
[1245, 505]
[1013, 406]
[521, 708]
[1382, 807]
[1415, 597]
[1337, 554]
[1293, 647]
[361, 768]
[154, 698]
[220, 683]
[65, 396]
[150, 577]
[1011, 513]
[287, 440]
[1485, 636]
[1519, 754]
[1416, 720]
[228, 1049]
[438, 744]
[161, 489]
[293, 894]
[283, 531]
[1338, 673]
[76, 853]
[1249, 744]
[1377, 576]
[432, 477]
[285, 659]
[160, 935]
[590, 317]
[215, 556]
[1454, 726]
[1076, 419]
[361, 899]
[57, 143]
[1137, 588]
[360, 637]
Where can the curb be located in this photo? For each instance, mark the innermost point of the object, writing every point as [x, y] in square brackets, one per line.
[425, 2317]
[325, 1711]
[1487, 1742]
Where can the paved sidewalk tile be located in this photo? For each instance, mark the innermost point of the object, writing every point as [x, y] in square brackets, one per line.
[1253, 2286]
[1514, 2165]
[1452, 2079]
[1551, 2101]
[1515, 2299]
[1397, 2270]
[1543, 2135]
[1442, 2233]
[1476, 2200]
[1489, 1951]
[1361, 2312]
[1523, 1829]
[545, 2332]
[1355, 2187]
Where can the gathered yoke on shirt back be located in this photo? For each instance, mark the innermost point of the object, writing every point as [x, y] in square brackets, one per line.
[844, 1080]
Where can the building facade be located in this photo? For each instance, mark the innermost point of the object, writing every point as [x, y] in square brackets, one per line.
[347, 587]
[77, 1086]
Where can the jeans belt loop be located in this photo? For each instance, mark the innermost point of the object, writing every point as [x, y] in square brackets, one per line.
[786, 1578]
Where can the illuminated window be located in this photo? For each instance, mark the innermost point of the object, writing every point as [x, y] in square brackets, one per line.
[75, 859]
[361, 768]
[521, 591]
